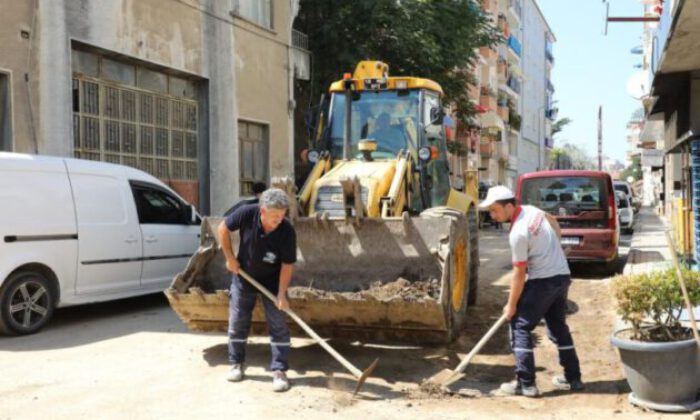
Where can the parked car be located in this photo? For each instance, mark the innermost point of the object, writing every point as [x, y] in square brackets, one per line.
[76, 231]
[626, 188]
[585, 207]
[625, 212]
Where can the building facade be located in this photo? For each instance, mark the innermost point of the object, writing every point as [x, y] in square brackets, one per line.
[538, 90]
[196, 92]
[673, 116]
[513, 95]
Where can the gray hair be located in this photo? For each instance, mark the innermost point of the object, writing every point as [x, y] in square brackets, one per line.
[274, 198]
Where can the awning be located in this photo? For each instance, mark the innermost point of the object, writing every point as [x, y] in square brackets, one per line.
[491, 119]
[682, 142]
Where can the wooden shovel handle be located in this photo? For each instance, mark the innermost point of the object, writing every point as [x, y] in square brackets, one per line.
[463, 364]
[688, 305]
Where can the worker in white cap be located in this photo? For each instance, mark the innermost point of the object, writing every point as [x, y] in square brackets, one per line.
[538, 289]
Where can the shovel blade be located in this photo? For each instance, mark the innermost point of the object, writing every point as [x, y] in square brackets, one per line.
[444, 378]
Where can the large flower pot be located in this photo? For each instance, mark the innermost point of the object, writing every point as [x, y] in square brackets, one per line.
[662, 376]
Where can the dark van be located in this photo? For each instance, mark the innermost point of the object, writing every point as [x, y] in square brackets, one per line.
[585, 206]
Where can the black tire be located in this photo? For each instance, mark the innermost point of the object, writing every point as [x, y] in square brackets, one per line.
[27, 302]
[610, 267]
[473, 258]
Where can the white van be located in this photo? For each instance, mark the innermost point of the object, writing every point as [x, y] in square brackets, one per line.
[76, 231]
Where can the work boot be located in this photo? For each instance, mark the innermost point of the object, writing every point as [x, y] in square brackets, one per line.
[280, 383]
[562, 384]
[236, 373]
[517, 388]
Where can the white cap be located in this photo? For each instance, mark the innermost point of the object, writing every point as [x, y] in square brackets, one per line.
[496, 193]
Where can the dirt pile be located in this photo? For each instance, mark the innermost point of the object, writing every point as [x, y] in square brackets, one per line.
[400, 289]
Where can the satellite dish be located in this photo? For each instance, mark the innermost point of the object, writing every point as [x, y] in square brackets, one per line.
[638, 85]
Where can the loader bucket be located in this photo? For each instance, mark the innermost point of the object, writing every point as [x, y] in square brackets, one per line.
[402, 279]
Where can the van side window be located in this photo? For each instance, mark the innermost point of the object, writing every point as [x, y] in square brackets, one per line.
[157, 207]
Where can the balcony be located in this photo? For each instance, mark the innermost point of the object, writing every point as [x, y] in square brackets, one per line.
[489, 6]
[486, 148]
[301, 57]
[300, 40]
[516, 8]
[514, 84]
[514, 45]
[550, 86]
[548, 52]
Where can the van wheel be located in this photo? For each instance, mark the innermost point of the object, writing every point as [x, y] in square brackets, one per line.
[26, 303]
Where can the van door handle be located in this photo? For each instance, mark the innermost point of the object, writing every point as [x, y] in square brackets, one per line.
[151, 239]
[131, 240]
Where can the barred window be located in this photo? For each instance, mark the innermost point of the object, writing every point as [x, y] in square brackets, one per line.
[146, 129]
[254, 155]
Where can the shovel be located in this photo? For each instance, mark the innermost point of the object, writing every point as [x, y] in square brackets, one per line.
[447, 377]
[361, 376]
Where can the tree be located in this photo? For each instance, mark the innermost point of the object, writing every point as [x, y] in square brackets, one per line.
[634, 170]
[559, 159]
[559, 125]
[435, 39]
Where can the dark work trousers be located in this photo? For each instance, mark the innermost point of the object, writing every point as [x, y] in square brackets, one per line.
[239, 320]
[543, 298]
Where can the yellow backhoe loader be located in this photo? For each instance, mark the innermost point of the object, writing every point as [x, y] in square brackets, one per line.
[387, 250]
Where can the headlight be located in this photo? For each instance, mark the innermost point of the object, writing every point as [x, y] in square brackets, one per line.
[313, 156]
[424, 154]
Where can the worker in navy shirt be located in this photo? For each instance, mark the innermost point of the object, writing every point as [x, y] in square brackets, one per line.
[267, 252]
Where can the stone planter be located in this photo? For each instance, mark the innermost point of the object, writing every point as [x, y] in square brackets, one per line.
[662, 376]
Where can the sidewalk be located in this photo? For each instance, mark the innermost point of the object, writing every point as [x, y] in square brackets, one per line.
[649, 248]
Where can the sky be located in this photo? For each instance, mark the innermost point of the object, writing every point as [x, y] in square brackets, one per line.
[591, 69]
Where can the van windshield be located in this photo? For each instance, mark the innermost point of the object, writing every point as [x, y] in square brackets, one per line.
[577, 201]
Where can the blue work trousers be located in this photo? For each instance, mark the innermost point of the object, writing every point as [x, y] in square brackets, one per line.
[241, 306]
[543, 298]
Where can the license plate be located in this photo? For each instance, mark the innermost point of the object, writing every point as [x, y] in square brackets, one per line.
[570, 240]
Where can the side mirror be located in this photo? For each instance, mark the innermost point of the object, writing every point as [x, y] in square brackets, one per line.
[436, 115]
[191, 215]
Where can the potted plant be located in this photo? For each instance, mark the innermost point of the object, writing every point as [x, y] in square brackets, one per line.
[514, 120]
[659, 355]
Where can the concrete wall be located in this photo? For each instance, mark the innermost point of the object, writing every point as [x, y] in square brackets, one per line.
[15, 57]
[261, 67]
[242, 70]
[533, 90]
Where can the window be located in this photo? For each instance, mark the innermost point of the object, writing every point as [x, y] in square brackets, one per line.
[157, 207]
[5, 114]
[253, 140]
[256, 11]
[137, 121]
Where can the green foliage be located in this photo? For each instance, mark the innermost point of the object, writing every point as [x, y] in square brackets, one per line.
[435, 39]
[559, 125]
[634, 170]
[652, 302]
[514, 119]
[456, 148]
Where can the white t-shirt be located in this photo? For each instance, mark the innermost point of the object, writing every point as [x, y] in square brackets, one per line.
[535, 244]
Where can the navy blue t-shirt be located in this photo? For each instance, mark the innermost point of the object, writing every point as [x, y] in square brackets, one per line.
[261, 254]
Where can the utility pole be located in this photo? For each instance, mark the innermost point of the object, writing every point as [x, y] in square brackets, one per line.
[600, 137]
